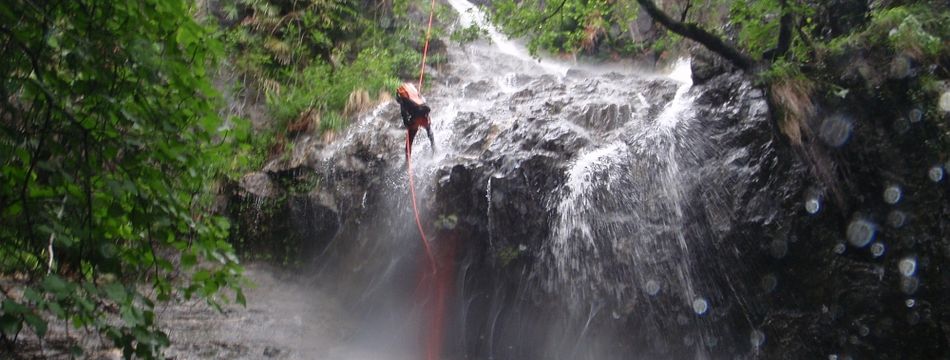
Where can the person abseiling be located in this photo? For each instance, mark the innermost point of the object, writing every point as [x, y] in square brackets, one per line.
[415, 114]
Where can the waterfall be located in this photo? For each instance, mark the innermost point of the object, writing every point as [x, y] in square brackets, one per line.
[582, 178]
[619, 233]
[470, 14]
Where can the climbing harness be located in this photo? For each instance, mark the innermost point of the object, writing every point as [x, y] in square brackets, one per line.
[412, 187]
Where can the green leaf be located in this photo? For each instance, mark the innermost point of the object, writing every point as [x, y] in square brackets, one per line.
[32, 295]
[188, 260]
[116, 292]
[239, 297]
[13, 210]
[201, 275]
[130, 317]
[55, 285]
[38, 324]
[13, 308]
[9, 324]
[56, 309]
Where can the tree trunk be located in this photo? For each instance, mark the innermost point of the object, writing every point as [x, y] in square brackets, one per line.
[785, 31]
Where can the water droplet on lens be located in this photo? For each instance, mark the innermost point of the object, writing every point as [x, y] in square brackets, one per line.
[909, 285]
[945, 101]
[901, 125]
[778, 248]
[935, 173]
[896, 219]
[812, 206]
[614, 315]
[913, 318]
[860, 232]
[916, 115]
[877, 249]
[835, 130]
[909, 242]
[901, 67]
[769, 283]
[907, 266]
[700, 306]
[839, 249]
[892, 195]
[652, 287]
[757, 338]
[910, 303]
[864, 330]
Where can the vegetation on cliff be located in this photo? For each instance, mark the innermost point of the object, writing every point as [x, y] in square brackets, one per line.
[807, 54]
[111, 143]
[116, 138]
[315, 63]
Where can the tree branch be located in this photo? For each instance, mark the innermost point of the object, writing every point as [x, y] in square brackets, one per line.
[546, 17]
[697, 34]
[689, 4]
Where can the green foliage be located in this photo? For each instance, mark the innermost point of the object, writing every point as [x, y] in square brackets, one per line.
[305, 59]
[312, 54]
[332, 121]
[571, 26]
[758, 24]
[405, 34]
[666, 43]
[371, 69]
[604, 28]
[781, 69]
[286, 103]
[111, 143]
[319, 86]
[468, 34]
[446, 222]
[913, 30]
[508, 254]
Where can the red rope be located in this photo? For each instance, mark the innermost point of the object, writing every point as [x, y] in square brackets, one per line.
[412, 190]
[440, 285]
[415, 209]
[425, 50]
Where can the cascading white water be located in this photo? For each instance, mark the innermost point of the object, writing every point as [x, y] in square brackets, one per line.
[618, 222]
[586, 242]
[470, 14]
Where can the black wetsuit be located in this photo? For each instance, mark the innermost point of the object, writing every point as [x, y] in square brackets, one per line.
[414, 115]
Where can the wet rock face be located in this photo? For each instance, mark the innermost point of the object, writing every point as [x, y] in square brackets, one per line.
[770, 267]
[674, 277]
[842, 282]
[604, 214]
[705, 65]
[722, 195]
[281, 217]
[257, 184]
